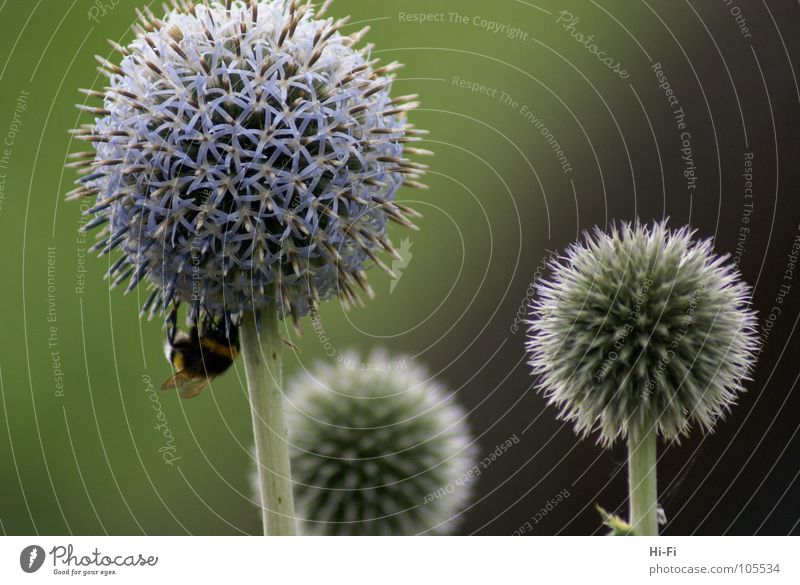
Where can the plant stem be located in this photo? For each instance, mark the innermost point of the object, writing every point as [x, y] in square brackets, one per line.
[261, 351]
[642, 481]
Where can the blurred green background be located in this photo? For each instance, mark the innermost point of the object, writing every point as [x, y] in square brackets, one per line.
[79, 451]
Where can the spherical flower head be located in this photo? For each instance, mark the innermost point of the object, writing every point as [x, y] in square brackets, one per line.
[246, 154]
[642, 327]
[378, 449]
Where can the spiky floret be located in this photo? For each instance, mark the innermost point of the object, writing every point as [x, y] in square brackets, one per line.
[245, 153]
[377, 448]
[642, 326]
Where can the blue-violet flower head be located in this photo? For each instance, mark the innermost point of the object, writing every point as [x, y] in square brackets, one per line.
[245, 154]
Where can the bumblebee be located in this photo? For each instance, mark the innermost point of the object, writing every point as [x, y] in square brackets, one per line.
[200, 355]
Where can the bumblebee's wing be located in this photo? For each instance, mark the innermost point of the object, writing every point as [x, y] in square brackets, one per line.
[188, 386]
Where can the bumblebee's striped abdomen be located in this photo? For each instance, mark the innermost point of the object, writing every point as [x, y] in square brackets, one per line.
[220, 348]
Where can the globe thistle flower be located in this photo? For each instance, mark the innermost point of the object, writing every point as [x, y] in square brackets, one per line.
[642, 326]
[640, 331]
[246, 158]
[246, 154]
[377, 448]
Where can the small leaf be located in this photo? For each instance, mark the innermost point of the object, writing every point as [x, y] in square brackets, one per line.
[617, 525]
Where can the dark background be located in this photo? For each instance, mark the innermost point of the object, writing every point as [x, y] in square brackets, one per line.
[87, 461]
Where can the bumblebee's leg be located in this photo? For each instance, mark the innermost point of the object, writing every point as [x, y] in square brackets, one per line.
[214, 322]
[223, 326]
[193, 314]
[172, 323]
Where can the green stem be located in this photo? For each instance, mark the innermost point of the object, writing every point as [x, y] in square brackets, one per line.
[642, 481]
[261, 351]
